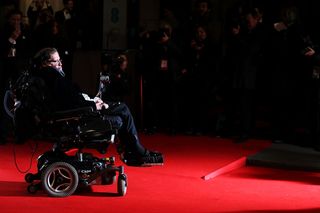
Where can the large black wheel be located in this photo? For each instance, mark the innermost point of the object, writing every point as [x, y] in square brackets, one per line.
[60, 179]
[122, 185]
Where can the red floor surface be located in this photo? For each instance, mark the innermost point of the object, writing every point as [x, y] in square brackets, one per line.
[175, 187]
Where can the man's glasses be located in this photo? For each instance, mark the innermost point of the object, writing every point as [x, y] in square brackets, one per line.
[55, 61]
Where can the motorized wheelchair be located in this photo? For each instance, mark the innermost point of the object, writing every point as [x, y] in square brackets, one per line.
[66, 167]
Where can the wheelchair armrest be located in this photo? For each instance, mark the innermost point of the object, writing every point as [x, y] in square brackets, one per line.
[73, 112]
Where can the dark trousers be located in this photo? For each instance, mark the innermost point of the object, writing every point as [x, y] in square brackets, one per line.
[128, 134]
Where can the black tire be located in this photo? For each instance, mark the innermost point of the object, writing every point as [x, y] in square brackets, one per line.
[60, 179]
[122, 185]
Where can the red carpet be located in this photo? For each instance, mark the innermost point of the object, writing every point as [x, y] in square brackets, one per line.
[178, 186]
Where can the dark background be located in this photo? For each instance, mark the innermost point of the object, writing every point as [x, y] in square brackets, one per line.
[90, 13]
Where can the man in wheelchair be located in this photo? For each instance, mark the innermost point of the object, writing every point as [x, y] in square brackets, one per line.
[59, 94]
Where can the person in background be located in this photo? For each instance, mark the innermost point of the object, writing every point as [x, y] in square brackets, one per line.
[202, 56]
[205, 15]
[168, 67]
[66, 13]
[244, 53]
[118, 87]
[67, 20]
[14, 57]
[290, 53]
[34, 10]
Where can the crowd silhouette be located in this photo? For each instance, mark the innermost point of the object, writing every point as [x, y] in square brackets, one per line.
[235, 76]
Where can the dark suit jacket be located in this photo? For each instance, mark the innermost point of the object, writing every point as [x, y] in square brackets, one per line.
[60, 93]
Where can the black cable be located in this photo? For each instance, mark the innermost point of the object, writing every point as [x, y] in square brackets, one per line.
[33, 151]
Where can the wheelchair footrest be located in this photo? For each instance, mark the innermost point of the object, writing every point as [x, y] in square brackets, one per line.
[150, 159]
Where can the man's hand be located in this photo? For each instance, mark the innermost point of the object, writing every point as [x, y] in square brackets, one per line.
[100, 104]
[309, 51]
[279, 26]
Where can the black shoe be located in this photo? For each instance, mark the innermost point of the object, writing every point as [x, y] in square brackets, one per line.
[150, 158]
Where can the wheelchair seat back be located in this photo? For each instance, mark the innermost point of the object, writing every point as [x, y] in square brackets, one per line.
[29, 106]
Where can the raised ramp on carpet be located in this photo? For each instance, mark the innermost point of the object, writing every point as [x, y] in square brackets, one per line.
[287, 156]
[227, 168]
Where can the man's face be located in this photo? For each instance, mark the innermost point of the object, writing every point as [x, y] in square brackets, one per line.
[251, 21]
[203, 8]
[39, 4]
[201, 34]
[124, 64]
[55, 61]
[15, 20]
[69, 5]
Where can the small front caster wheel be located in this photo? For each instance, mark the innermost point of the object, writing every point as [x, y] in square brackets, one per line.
[33, 188]
[122, 185]
[29, 178]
